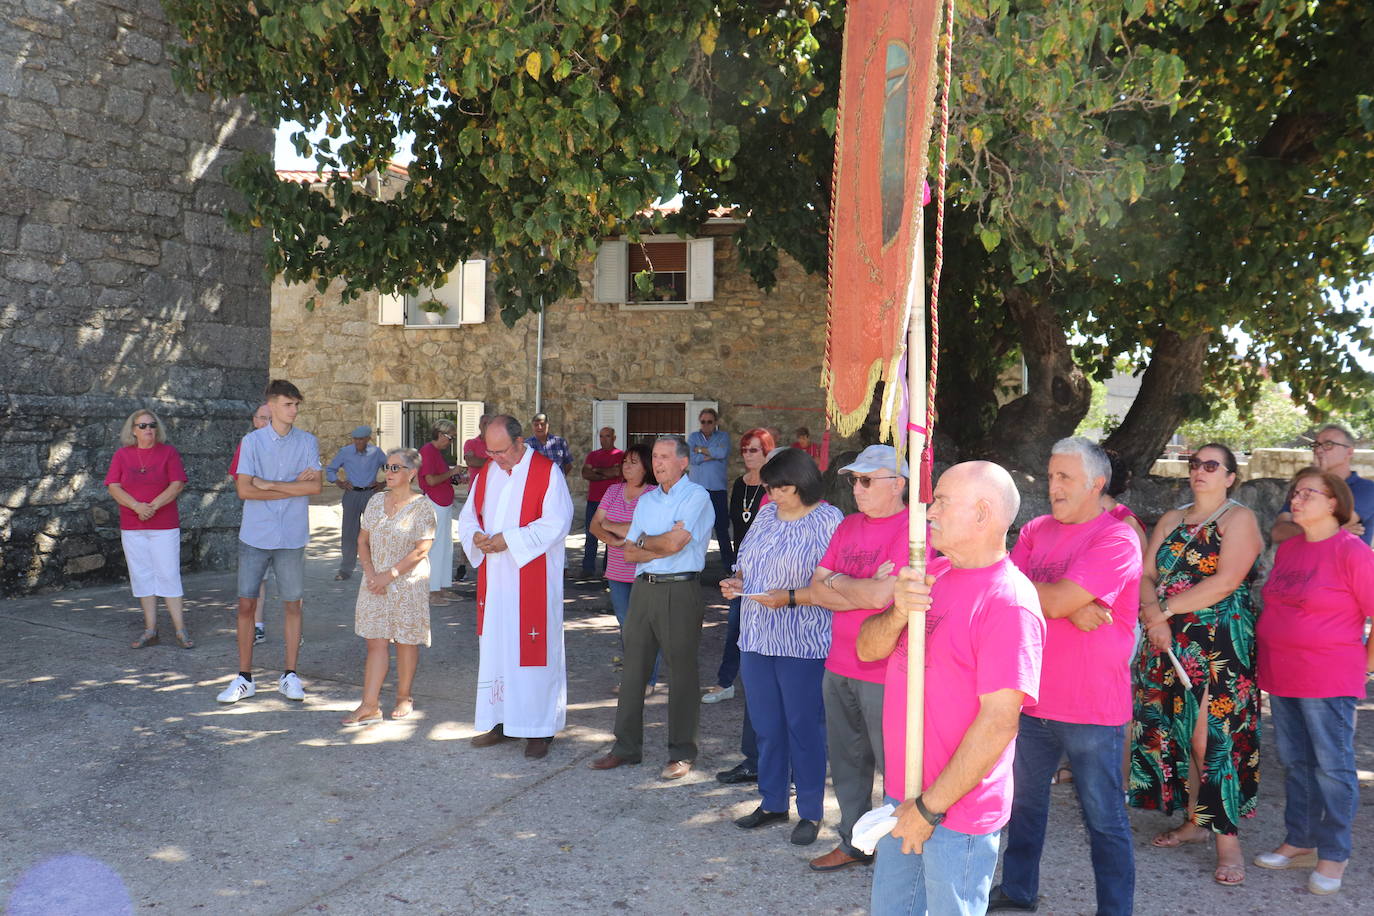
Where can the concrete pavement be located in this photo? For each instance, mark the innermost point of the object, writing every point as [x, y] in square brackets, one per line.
[125, 786]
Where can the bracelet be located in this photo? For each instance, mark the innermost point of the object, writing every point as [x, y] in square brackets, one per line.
[1164, 608]
[931, 817]
[830, 579]
[791, 597]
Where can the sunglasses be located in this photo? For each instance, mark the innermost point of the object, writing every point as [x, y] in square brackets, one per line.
[1328, 445]
[1305, 493]
[394, 468]
[867, 482]
[751, 451]
[1210, 465]
[146, 425]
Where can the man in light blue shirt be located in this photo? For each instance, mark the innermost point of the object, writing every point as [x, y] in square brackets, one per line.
[278, 472]
[360, 463]
[710, 453]
[667, 543]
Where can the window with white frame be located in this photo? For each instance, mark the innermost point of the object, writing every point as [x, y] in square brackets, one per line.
[461, 300]
[680, 272]
[407, 424]
[644, 417]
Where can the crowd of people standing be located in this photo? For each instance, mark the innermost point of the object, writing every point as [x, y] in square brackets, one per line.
[1087, 640]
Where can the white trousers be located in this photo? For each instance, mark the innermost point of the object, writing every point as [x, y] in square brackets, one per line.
[441, 553]
[154, 561]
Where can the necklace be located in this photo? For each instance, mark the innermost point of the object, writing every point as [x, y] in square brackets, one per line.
[751, 501]
[142, 468]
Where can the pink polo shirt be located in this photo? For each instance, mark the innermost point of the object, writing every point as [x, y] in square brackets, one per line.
[1310, 638]
[1086, 677]
[984, 633]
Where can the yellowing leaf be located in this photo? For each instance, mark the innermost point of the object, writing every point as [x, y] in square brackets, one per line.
[709, 33]
[532, 64]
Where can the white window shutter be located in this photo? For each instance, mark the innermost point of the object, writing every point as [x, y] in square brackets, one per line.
[388, 429]
[469, 418]
[474, 306]
[701, 270]
[612, 414]
[450, 293]
[612, 275]
[694, 409]
[391, 308]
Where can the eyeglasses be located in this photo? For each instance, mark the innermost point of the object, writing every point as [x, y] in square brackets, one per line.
[1326, 445]
[146, 425]
[448, 436]
[751, 451]
[1306, 493]
[867, 482]
[395, 468]
[1210, 465]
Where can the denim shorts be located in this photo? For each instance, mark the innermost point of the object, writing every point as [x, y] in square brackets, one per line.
[288, 563]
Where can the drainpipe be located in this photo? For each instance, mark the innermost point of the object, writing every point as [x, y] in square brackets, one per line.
[539, 362]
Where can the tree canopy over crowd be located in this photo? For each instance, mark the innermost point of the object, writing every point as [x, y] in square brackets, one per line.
[1182, 183]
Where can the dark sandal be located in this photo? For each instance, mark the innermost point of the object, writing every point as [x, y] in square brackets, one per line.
[149, 638]
[184, 638]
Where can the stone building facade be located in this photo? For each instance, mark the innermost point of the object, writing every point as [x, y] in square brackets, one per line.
[120, 285]
[754, 355]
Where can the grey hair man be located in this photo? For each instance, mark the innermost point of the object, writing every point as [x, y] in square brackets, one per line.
[1332, 451]
[360, 462]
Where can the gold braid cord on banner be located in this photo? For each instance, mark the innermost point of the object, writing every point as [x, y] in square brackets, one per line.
[882, 138]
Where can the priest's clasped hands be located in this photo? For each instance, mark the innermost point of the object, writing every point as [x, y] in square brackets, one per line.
[495, 543]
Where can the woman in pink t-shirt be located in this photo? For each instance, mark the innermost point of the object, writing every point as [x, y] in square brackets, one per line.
[146, 477]
[1313, 663]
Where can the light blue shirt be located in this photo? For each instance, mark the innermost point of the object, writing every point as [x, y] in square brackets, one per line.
[656, 511]
[276, 524]
[359, 467]
[708, 471]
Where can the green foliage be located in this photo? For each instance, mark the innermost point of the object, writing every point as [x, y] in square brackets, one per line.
[1273, 421]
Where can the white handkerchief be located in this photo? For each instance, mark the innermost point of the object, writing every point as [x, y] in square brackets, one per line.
[871, 828]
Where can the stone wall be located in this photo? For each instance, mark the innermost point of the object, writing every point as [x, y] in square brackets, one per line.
[758, 354]
[121, 285]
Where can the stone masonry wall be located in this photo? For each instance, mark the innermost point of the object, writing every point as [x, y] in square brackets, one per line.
[120, 285]
[746, 347]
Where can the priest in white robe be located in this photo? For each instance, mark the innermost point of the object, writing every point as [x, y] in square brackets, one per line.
[513, 529]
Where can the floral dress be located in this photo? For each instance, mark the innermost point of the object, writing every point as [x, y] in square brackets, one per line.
[1216, 647]
[402, 614]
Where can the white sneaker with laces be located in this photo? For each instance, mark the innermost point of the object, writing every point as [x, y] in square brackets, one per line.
[238, 689]
[290, 686]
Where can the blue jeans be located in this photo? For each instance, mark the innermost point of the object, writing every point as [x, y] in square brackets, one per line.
[729, 656]
[620, 604]
[1316, 744]
[784, 703]
[589, 551]
[1094, 753]
[951, 874]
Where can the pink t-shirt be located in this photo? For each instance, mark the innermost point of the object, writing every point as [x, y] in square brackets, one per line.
[432, 462]
[234, 464]
[859, 546]
[984, 633]
[474, 447]
[1310, 637]
[1086, 677]
[144, 473]
[618, 509]
[602, 458]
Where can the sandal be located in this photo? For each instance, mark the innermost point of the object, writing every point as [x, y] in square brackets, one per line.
[403, 708]
[1062, 775]
[149, 638]
[1171, 839]
[184, 638]
[1229, 874]
[353, 720]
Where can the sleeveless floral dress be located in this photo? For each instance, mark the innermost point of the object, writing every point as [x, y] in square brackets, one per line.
[1216, 647]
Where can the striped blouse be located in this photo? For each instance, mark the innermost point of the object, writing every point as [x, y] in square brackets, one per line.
[618, 510]
[781, 554]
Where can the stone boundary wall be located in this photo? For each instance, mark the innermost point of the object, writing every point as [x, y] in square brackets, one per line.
[120, 285]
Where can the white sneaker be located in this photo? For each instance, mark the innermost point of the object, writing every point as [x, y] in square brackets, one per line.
[259, 634]
[290, 686]
[718, 694]
[238, 689]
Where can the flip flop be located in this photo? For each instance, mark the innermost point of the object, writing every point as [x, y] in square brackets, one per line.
[350, 722]
[1229, 874]
[1170, 839]
[403, 708]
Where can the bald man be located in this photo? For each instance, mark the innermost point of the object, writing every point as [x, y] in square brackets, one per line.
[985, 634]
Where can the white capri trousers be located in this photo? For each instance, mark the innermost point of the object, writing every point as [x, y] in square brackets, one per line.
[154, 560]
[441, 552]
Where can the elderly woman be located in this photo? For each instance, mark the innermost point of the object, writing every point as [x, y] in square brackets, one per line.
[1312, 661]
[611, 522]
[145, 478]
[436, 482]
[1195, 744]
[747, 497]
[783, 645]
[393, 548]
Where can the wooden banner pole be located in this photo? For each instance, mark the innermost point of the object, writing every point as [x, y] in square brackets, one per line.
[916, 539]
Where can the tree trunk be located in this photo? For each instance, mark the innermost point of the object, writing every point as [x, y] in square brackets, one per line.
[1057, 393]
[1174, 375]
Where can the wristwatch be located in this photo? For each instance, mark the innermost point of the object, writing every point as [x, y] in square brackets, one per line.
[931, 817]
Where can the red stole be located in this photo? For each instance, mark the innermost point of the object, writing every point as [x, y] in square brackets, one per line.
[534, 575]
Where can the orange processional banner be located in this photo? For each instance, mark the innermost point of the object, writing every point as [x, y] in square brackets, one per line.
[881, 140]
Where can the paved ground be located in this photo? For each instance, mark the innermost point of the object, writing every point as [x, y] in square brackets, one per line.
[125, 787]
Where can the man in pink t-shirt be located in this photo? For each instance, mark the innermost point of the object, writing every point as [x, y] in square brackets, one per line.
[1086, 568]
[985, 635]
[601, 469]
[854, 581]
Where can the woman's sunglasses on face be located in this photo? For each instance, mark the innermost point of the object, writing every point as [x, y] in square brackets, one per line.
[146, 425]
[1210, 465]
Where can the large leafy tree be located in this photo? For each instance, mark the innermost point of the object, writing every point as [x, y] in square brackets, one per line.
[1127, 176]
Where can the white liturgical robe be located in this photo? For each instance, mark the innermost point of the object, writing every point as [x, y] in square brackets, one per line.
[528, 702]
